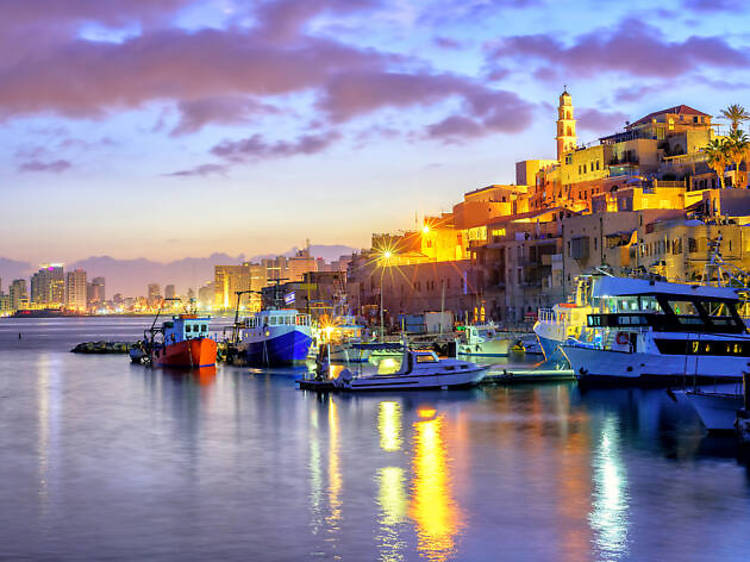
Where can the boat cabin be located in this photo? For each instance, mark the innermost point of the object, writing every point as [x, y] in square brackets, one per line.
[665, 307]
[282, 317]
[185, 327]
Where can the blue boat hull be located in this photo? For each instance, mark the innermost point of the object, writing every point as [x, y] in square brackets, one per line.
[287, 349]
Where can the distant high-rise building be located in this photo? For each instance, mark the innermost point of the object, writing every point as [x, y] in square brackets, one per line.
[169, 292]
[75, 290]
[154, 294]
[206, 296]
[190, 293]
[48, 286]
[95, 291]
[19, 298]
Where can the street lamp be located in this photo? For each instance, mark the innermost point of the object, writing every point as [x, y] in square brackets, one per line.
[385, 256]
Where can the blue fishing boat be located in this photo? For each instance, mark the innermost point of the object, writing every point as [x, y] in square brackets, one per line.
[275, 338]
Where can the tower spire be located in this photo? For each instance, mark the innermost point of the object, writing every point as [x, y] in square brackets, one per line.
[566, 125]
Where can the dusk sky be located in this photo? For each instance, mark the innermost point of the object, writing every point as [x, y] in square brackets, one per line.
[173, 128]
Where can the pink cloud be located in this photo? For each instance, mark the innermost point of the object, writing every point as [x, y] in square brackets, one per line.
[56, 166]
[85, 79]
[633, 47]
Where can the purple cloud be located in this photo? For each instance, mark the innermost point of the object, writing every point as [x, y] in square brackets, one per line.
[201, 171]
[257, 147]
[195, 114]
[632, 47]
[56, 166]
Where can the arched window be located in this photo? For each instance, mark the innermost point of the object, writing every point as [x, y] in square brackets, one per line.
[570, 132]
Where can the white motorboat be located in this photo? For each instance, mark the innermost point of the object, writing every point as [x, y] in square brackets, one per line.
[717, 410]
[417, 369]
[483, 340]
[659, 332]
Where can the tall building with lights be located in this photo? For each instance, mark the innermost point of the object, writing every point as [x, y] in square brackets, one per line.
[19, 297]
[48, 286]
[154, 294]
[96, 291]
[75, 290]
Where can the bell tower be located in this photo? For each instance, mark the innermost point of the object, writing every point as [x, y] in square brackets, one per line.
[566, 125]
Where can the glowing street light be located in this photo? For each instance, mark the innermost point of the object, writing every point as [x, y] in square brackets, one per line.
[385, 257]
[426, 229]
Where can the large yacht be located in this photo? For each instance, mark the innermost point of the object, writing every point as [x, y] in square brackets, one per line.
[657, 332]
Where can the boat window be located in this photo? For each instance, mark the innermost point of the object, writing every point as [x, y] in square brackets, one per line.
[204, 328]
[272, 320]
[187, 328]
[683, 308]
[426, 359]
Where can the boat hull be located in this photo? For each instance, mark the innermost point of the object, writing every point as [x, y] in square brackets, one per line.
[405, 382]
[717, 411]
[290, 348]
[609, 367]
[188, 354]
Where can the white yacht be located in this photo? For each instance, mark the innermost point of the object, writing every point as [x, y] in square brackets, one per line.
[483, 340]
[417, 369]
[658, 332]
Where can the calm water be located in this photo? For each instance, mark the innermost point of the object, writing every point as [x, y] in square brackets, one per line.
[103, 460]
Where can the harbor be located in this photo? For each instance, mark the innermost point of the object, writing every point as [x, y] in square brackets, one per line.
[199, 454]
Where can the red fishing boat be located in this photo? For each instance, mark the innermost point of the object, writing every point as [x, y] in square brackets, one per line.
[182, 341]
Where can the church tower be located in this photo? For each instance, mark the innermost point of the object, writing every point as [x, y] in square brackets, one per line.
[566, 125]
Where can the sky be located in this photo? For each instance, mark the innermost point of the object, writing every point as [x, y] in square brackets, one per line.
[172, 128]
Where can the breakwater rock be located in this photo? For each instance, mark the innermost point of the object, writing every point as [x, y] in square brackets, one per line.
[102, 347]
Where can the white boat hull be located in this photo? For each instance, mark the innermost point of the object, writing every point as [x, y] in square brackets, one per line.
[717, 411]
[469, 377]
[609, 366]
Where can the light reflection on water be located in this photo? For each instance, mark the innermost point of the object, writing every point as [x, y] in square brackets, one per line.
[609, 518]
[102, 459]
[432, 506]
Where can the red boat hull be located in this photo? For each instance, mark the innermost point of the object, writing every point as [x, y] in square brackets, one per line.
[198, 352]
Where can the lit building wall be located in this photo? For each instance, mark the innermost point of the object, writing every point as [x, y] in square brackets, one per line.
[75, 290]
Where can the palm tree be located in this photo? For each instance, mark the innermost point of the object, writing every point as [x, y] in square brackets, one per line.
[735, 114]
[717, 155]
[738, 145]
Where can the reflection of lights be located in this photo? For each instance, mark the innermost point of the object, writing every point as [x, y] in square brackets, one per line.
[426, 412]
[315, 472]
[392, 501]
[389, 425]
[432, 507]
[334, 472]
[609, 518]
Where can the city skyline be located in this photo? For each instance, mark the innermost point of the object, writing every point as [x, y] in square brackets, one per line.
[297, 112]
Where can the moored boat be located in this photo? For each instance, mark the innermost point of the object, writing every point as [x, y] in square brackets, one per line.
[182, 342]
[275, 338]
[418, 369]
[483, 340]
[716, 410]
[654, 332]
